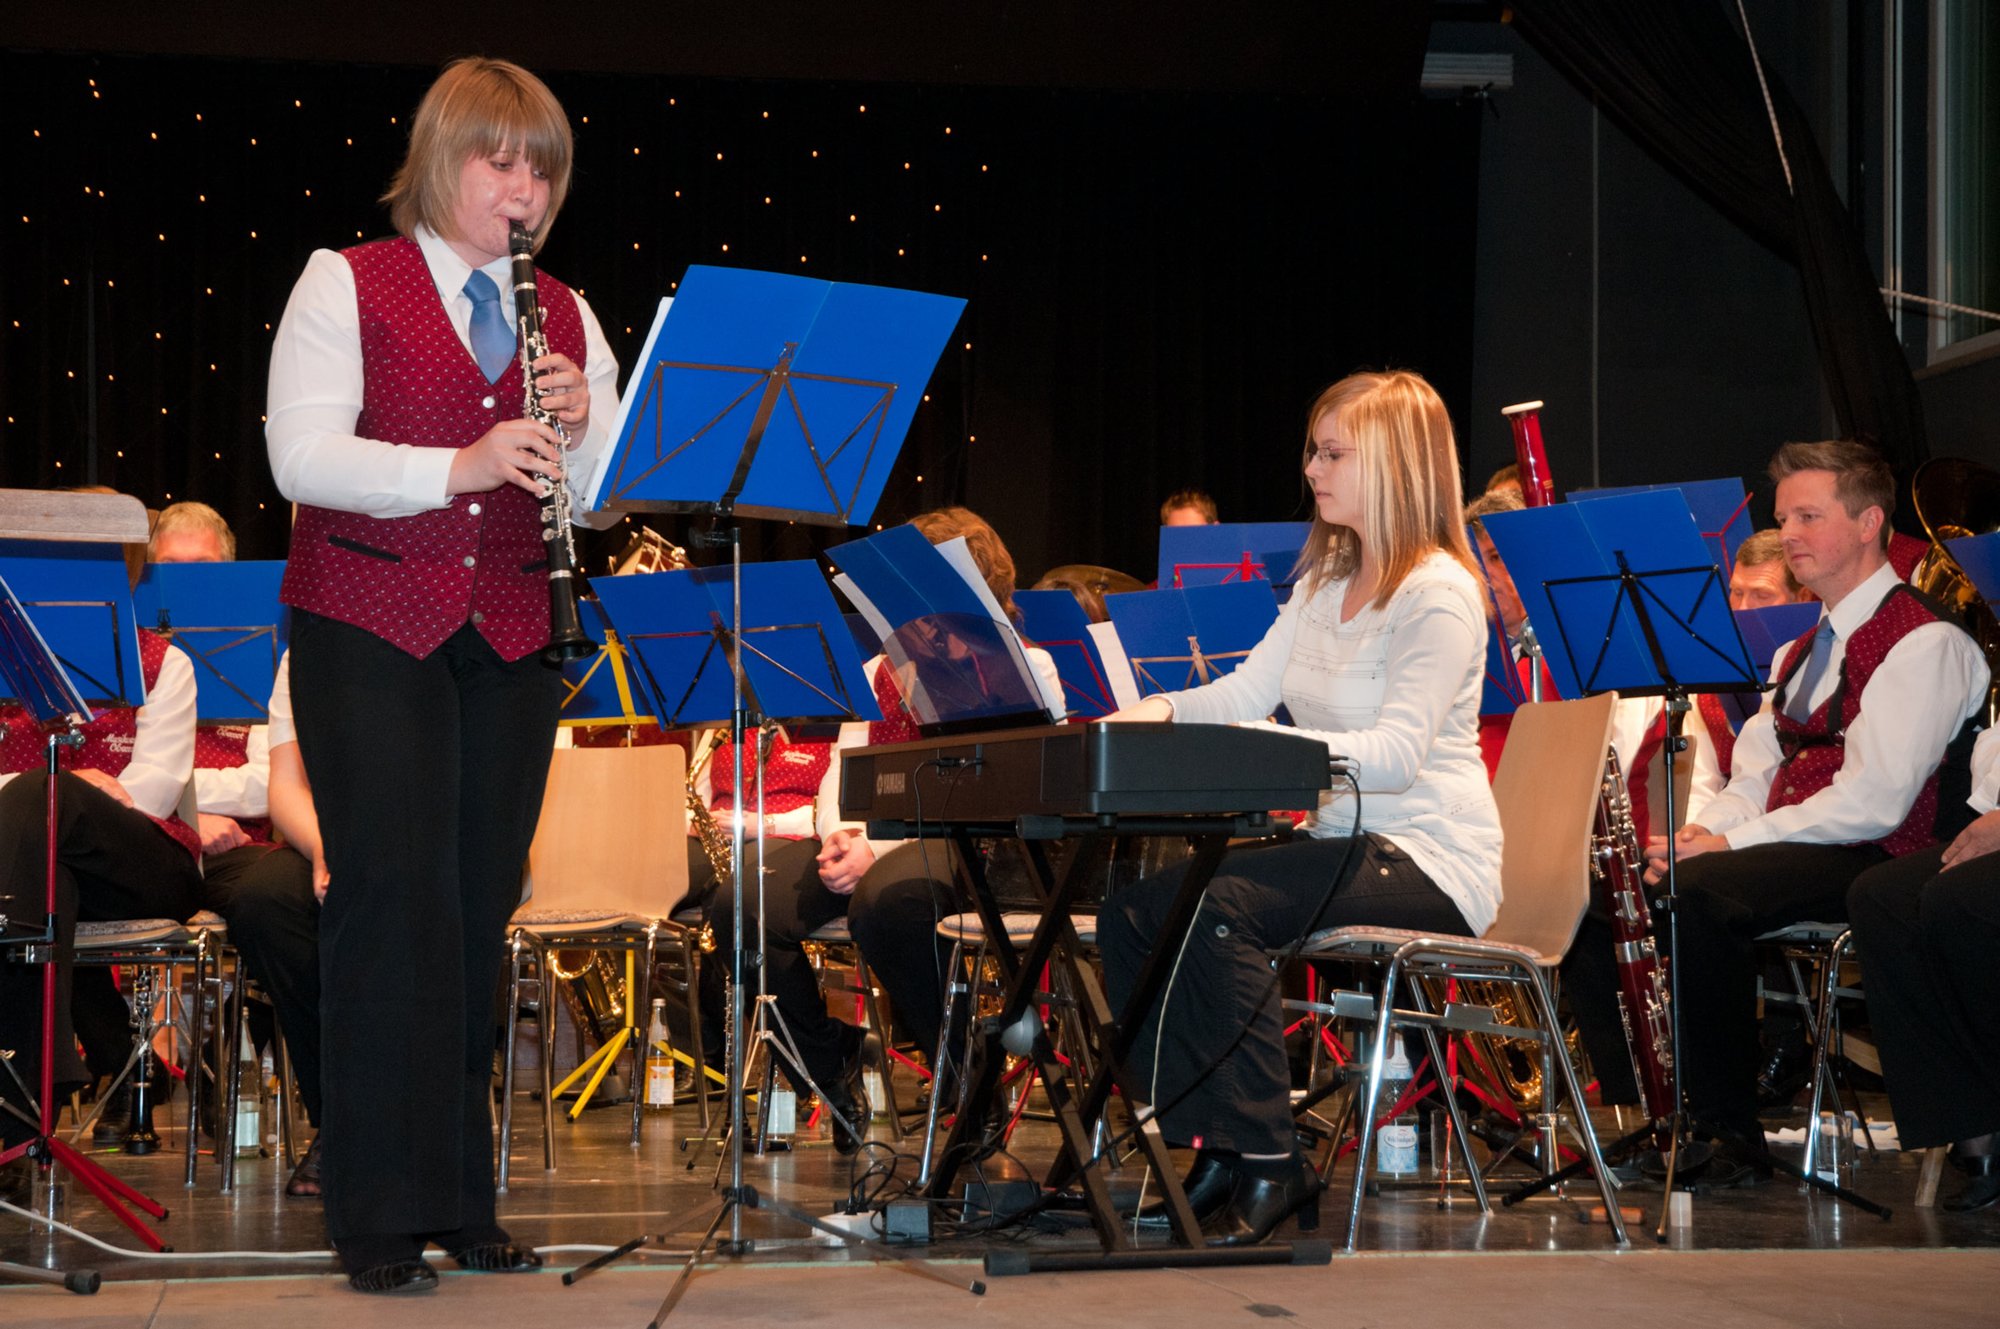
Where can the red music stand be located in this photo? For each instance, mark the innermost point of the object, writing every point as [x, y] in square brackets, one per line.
[34, 677]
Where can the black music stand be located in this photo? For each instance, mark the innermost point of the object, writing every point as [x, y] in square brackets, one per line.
[762, 345]
[1681, 617]
[34, 678]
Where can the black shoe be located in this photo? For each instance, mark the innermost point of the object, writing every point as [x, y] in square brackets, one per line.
[497, 1257]
[395, 1278]
[304, 1183]
[115, 1117]
[1267, 1192]
[847, 1101]
[1738, 1162]
[1981, 1165]
[1787, 1066]
[1209, 1184]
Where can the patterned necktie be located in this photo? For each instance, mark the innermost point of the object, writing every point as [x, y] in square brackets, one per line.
[492, 339]
[1799, 704]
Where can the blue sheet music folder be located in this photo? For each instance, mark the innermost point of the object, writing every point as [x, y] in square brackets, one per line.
[1565, 559]
[1231, 551]
[79, 597]
[227, 618]
[835, 417]
[1181, 639]
[1054, 621]
[798, 654]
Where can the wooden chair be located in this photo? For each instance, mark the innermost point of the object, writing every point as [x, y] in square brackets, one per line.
[1547, 789]
[607, 868]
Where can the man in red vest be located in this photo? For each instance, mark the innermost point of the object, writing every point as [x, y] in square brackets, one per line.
[1846, 767]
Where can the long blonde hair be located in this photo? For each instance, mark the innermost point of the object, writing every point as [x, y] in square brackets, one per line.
[1411, 498]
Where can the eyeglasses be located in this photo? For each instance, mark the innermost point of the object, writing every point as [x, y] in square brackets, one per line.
[1328, 453]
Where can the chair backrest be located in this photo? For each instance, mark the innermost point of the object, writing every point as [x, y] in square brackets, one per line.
[613, 831]
[1550, 776]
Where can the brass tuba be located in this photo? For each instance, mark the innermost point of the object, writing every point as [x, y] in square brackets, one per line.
[1954, 498]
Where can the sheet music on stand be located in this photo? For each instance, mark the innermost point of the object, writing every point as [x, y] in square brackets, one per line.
[1182, 639]
[79, 596]
[1054, 621]
[227, 619]
[958, 660]
[824, 378]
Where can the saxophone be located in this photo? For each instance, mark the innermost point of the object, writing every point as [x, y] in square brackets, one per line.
[714, 840]
[567, 639]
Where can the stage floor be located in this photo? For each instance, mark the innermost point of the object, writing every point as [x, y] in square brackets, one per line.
[1766, 1255]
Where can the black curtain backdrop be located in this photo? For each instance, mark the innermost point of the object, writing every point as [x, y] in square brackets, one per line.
[1159, 283]
[1680, 79]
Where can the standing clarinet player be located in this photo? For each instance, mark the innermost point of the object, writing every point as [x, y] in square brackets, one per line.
[419, 581]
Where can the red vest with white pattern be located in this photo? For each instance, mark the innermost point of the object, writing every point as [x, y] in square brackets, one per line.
[108, 740]
[897, 725]
[1814, 750]
[1721, 733]
[792, 772]
[414, 581]
[224, 747]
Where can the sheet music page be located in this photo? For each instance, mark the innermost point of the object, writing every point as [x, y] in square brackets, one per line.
[1117, 669]
[960, 557]
[589, 488]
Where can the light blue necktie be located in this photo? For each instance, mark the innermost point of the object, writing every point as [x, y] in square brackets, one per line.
[1799, 704]
[492, 339]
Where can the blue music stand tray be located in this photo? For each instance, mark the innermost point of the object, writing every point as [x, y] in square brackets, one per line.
[1231, 552]
[1054, 621]
[227, 618]
[80, 598]
[812, 383]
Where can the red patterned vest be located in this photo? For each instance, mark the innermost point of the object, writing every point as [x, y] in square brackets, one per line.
[1813, 751]
[1721, 732]
[107, 740]
[792, 774]
[897, 724]
[413, 581]
[223, 748]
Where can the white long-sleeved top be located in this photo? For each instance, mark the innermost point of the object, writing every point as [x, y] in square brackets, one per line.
[1926, 687]
[163, 742]
[1396, 690]
[315, 392]
[854, 734]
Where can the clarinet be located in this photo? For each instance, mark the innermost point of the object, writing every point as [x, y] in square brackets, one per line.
[1644, 996]
[567, 639]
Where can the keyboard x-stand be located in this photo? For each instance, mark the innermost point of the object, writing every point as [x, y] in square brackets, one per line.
[1090, 784]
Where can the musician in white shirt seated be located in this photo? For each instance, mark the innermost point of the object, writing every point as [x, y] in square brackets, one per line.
[1380, 653]
[1847, 766]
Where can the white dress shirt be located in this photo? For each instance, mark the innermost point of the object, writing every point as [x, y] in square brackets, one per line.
[245, 791]
[1395, 690]
[1928, 685]
[315, 393]
[162, 758]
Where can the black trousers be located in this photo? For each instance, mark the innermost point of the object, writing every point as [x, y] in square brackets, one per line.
[428, 777]
[894, 916]
[111, 862]
[795, 903]
[265, 894]
[1260, 900]
[1928, 938]
[1727, 899]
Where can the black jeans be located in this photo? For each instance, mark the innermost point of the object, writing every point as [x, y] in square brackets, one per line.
[428, 778]
[1220, 1029]
[1928, 938]
[894, 916]
[111, 862]
[265, 894]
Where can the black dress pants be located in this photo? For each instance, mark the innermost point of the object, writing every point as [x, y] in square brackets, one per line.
[112, 862]
[894, 916]
[794, 903]
[1727, 899]
[428, 778]
[265, 893]
[1928, 938]
[1223, 1079]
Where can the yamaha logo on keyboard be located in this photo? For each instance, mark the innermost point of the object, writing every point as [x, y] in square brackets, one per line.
[891, 782]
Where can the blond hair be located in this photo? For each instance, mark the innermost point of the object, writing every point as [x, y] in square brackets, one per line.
[1767, 546]
[1411, 498]
[191, 516]
[478, 106]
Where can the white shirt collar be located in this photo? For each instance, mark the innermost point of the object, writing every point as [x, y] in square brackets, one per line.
[449, 271]
[1859, 604]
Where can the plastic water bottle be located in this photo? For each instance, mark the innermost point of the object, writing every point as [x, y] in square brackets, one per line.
[660, 1069]
[249, 1099]
[1396, 1139]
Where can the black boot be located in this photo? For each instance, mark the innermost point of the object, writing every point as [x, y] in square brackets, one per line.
[1210, 1181]
[1979, 1159]
[1267, 1192]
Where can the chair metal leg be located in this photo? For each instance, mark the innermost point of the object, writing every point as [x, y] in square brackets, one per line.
[206, 958]
[1449, 1087]
[1545, 1014]
[226, 1068]
[514, 947]
[952, 988]
[1371, 1094]
[546, 1004]
[691, 967]
[640, 1004]
[864, 978]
